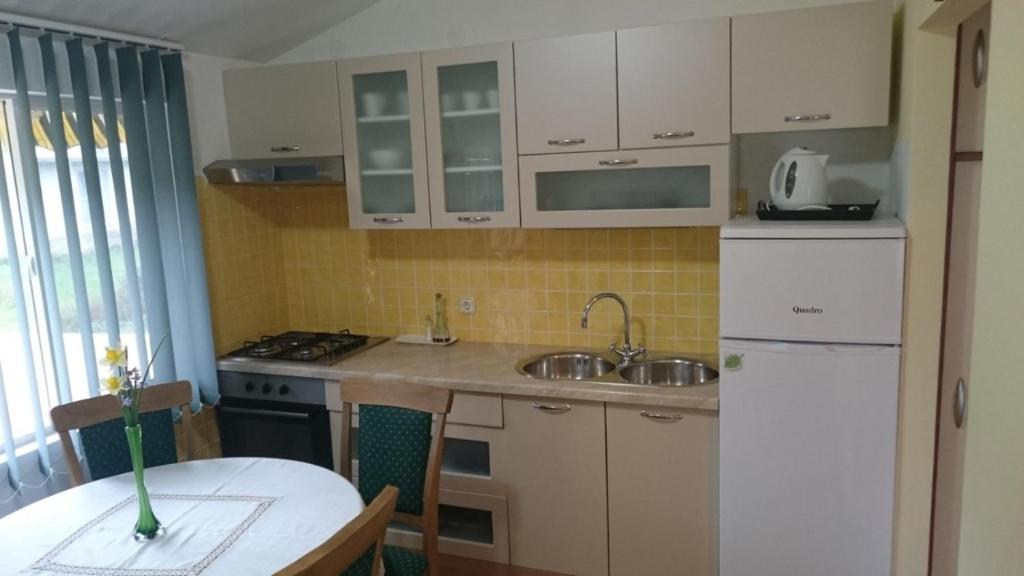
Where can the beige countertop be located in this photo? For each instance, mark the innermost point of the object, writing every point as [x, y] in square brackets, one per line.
[487, 368]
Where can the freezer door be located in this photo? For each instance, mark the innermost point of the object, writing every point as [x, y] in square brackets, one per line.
[807, 463]
[817, 290]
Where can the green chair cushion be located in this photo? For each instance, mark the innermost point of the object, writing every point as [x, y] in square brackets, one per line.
[106, 446]
[397, 562]
[394, 445]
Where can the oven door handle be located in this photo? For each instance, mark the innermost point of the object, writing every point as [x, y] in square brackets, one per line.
[265, 412]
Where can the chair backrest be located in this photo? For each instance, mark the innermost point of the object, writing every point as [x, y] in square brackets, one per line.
[397, 446]
[353, 543]
[101, 430]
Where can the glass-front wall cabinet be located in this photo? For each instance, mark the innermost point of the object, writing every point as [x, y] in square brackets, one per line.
[668, 187]
[382, 120]
[469, 102]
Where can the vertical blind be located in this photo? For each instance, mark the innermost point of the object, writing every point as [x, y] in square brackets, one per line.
[101, 240]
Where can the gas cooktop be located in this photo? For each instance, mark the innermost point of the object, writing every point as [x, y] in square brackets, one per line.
[312, 347]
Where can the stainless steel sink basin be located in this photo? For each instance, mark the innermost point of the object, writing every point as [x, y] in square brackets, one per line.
[566, 366]
[669, 372]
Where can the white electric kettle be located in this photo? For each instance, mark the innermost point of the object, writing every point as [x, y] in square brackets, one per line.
[798, 181]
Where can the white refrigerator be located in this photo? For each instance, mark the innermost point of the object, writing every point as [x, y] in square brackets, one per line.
[811, 318]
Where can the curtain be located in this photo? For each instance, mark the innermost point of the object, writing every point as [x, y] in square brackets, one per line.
[101, 237]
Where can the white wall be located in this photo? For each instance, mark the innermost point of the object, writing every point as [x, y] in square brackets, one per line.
[207, 115]
[393, 26]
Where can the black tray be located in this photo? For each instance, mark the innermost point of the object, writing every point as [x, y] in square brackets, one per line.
[835, 212]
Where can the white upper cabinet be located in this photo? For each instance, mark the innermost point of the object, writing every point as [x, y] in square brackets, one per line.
[470, 109]
[626, 189]
[674, 84]
[386, 159]
[816, 68]
[281, 111]
[566, 94]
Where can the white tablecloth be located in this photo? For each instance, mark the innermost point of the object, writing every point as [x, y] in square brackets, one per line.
[232, 516]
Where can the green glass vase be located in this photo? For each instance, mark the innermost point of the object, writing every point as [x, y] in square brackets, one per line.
[147, 527]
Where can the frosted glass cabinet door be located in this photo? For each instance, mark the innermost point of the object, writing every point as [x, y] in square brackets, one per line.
[469, 105]
[626, 189]
[385, 163]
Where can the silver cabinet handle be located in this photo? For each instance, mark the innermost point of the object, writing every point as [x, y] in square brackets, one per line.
[808, 117]
[660, 416]
[552, 407]
[959, 402]
[620, 162]
[567, 141]
[474, 219]
[674, 135]
[388, 220]
[284, 149]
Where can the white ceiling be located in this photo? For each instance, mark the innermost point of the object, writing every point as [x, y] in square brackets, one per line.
[256, 30]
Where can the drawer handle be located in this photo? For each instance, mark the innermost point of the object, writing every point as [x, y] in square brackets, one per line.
[567, 141]
[674, 135]
[558, 408]
[379, 220]
[808, 117]
[660, 416]
[474, 219]
[285, 149]
[620, 162]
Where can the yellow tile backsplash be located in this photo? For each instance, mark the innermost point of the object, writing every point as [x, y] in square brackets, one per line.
[284, 257]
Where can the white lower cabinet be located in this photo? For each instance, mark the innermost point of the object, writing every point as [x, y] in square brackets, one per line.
[557, 496]
[662, 491]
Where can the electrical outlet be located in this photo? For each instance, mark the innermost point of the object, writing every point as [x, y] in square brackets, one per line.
[467, 305]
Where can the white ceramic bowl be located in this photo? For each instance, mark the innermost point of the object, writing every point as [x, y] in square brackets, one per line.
[386, 159]
[374, 103]
[471, 99]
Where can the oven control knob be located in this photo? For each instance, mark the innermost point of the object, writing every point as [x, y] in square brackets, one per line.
[284, 389]
[250, 386]
[267, 388]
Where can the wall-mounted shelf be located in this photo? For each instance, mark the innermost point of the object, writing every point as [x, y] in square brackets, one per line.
[471, 169]
[471, 113]
[395, 172]
[381, 119]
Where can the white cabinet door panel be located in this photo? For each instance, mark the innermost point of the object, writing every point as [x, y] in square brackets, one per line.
[814, 68]
[566, 94]
[282, 111]
[674, 84]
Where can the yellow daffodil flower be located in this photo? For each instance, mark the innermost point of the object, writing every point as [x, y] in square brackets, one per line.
[117, 356]
[112, 384]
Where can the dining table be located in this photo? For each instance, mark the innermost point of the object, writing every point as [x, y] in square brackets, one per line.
[221, 517]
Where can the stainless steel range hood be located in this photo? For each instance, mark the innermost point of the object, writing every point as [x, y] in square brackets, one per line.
[277, 171]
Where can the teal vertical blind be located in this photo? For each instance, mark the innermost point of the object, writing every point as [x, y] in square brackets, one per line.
[101, 237]
[91, 173]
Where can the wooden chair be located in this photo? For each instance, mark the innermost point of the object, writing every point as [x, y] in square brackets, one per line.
[351, 545]
[398, 447]
[101, 429]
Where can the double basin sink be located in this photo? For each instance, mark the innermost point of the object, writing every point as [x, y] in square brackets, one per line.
[597, 368]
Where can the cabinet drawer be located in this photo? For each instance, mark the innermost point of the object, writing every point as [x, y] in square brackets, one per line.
[467, 407]
[469, 525]
[670, 187]
[813, 290]
[566, 95]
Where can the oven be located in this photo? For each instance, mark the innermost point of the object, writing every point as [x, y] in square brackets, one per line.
[275, 417]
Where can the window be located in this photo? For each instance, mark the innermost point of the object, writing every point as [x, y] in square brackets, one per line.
[12, 354]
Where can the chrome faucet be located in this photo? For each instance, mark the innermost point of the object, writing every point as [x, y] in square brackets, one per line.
[627, 353]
